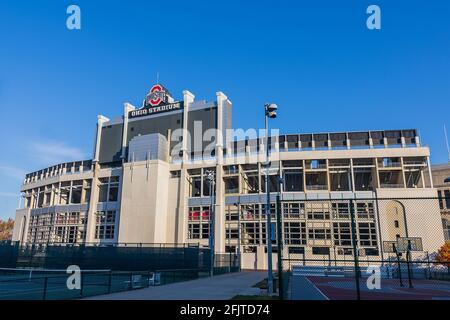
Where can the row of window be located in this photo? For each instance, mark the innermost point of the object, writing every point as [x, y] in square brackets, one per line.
[72, 192]
[295, 233]
[321, 210]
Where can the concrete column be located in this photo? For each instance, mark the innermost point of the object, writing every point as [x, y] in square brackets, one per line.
[91, 214]
[377, 175]
[429, 172]
[403, 142]
[403, 172]
[352, 174]
[100, 121]
[92, 210]
[127, 108]
[219, 212]
[181, 234]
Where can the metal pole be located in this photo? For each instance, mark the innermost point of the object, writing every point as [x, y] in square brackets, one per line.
[268, 216]
[408, 259]
[399, 266]
[211, 231]
[239, 233]
[280, 250]
[44, 295]
[355, 253]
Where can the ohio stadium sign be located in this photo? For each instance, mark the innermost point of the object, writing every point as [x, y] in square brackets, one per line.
[157, 101]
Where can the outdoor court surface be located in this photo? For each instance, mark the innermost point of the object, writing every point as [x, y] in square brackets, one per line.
[340, 288]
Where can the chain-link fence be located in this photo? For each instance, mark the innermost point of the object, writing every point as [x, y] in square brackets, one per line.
[40, 272]
[364, 248]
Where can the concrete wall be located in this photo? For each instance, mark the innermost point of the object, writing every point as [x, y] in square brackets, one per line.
[144, 202]
[423, 218]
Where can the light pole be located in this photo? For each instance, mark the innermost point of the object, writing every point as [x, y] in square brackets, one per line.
[210, 175]
[270, 111]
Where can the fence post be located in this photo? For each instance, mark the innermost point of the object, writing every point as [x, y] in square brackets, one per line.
[408, 258]
[44, 295]
[355, 252]
[429, 267]
[109, 281]
[82, 284]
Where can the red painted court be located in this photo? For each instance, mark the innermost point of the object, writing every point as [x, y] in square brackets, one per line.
[335, 288]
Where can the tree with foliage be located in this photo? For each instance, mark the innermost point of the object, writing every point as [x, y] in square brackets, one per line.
[6, 229]
[443, 256]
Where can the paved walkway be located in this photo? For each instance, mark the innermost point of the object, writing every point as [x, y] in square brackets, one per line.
[221, 287]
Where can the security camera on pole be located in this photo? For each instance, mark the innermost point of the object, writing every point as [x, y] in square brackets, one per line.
[270, 112]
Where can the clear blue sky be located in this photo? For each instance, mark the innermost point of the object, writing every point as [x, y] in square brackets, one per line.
[315, 59]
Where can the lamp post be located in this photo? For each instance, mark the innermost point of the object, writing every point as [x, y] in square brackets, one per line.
[210, 175]
[270, 111]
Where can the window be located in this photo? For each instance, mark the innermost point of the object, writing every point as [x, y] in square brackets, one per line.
[363, 179]
[274, 183]
[250, 212]
[293, 180]
[231, 184]
[273, 233]
[113, 192]
[294, 210]
[318, 210]
[105, 225]
[104, 232]
[367, 234]
[113, 189]
[341, 210]
[250, 178]
[272, 211]
[319, 233]
[342, 234]
[231, 232]
[175, 174]
[250, 233]
[208, 187]
[194, 231]
[108, 189]
[231, 213]
[321, 250]
[295, 233]
[64, 192]
[234, 169]
[296, 250]
[365, 210]
[396, 224]
[106, 217]
[340, 180]
[77, 187]
[316, 181]
[199, 221]
[103, 190]
[196, 185]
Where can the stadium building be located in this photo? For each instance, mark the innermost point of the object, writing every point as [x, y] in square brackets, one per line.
[153, 180]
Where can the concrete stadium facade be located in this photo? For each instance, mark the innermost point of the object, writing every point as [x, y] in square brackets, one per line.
[148, 183]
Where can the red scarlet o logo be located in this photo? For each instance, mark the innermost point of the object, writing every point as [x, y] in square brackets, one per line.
[154, 97]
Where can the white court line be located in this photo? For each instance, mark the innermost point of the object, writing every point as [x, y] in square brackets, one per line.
[317, 288]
